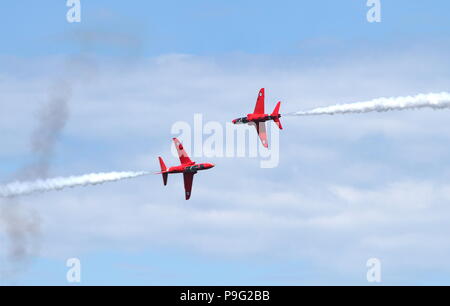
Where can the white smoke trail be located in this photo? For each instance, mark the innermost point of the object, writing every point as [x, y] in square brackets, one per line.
[432, 100]
[24, 188]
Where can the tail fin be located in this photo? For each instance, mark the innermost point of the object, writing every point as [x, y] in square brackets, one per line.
[277, 115]
[163, 170]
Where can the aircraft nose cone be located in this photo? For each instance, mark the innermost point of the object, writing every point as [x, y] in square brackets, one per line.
[211, 165]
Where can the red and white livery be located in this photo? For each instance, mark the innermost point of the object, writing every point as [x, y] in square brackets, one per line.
[258, 118]
[187, 167]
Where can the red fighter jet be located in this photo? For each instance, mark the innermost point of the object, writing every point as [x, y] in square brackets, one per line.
[258, 118]
[187, 167]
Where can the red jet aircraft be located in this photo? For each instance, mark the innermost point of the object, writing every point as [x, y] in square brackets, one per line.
[258, 118]
[187, 167]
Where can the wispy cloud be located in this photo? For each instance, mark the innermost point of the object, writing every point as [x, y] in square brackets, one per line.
[346, 188]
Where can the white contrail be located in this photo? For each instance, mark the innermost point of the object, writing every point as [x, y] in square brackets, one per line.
[24, 188]
[432, 100]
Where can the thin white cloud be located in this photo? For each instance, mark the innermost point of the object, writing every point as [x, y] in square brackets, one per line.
[347, 188]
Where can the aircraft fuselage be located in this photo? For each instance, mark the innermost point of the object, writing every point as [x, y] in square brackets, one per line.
[190, 168]
[256, 118]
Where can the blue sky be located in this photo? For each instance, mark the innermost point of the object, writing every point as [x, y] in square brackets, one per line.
[347, 188]
[218, 27]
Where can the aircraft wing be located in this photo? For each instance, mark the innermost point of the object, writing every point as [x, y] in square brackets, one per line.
[261, 129]
[259, 107]
[184, 158]
[188, 179]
